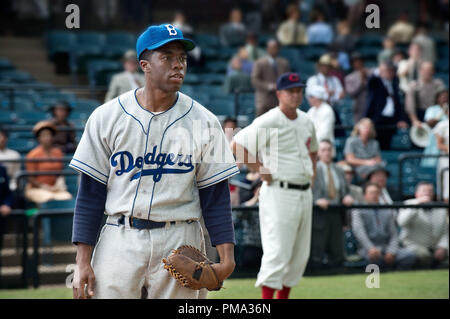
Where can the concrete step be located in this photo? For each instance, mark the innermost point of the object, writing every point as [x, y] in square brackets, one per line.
[22, 42]
[12, 257]
[48, 275]
[9, 241]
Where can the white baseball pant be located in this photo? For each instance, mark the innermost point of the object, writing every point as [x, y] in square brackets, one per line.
[127, 259]
[285, 221]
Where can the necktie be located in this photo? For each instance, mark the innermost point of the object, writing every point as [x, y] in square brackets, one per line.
[331, 187]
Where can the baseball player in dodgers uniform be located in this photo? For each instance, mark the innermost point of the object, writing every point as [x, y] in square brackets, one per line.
[281, 144]
[155, 161]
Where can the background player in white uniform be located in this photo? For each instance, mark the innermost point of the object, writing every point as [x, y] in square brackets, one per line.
[285, 206]
[157, 177]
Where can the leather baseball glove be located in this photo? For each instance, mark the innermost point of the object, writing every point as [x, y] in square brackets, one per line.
[192, 269]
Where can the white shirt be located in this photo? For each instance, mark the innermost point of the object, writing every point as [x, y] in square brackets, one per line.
[323, 119]
[332, 82]
[11, 168]
[282, 145]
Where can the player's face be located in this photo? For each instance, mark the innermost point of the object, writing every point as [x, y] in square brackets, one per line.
[167, 67]
[290, 97]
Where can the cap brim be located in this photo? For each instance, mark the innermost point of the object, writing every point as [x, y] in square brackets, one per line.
[293, 85]
[188, 44]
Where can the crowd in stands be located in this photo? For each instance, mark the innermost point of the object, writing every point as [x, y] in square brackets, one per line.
[378, 93]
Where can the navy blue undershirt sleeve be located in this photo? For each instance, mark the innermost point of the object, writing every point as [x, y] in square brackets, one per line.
[216, 210]
[89, 210]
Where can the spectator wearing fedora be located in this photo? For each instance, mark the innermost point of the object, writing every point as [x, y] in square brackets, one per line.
[64, 138]
[380, 175]
[127, 80]
[323, 78]
[356, 85]
[41, 189]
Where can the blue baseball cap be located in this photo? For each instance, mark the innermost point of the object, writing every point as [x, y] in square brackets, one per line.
[158, 35]
[289, 80]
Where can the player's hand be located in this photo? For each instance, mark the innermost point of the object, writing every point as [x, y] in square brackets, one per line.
[389, 259]
[84, 275]
[322, 203]
[374, 253]
[224, 269]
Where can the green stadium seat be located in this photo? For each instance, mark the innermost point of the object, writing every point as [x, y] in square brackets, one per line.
[206, 40]
[81, 55]
[91, 38]
[58, 95]
[121, 39]
[60, 226]
[212, 78]
[116, 51]
[85, 105]
[98, 71]
[401, 141]
[23, 105]
[217, 66]
[15, 76]
[226, 53]
[22, 146]
[7, 117]
[222, 106]
[6, 65]
[192, 79]
[374, 40]
[60, 41]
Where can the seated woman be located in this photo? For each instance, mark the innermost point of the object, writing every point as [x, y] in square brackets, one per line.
[41, 189]
[362, 150]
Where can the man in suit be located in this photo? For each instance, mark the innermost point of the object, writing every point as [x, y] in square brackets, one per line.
[377, 235]
[265, 73]
[383, 104]
[127, 80]
[330, 187]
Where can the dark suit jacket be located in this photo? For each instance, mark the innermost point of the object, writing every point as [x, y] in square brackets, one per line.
[263, 74]
[320, 189]
[377, 95]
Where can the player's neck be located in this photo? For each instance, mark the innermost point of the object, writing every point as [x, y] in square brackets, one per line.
[289, 112]
[155, 100]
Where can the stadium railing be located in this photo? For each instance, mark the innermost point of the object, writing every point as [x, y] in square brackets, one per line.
[52, 213]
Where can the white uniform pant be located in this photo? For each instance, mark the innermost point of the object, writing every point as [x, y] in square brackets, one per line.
[285, 221]
[126, 259]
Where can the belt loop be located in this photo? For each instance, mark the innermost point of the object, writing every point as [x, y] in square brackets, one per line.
[167, 226]
[127, 222]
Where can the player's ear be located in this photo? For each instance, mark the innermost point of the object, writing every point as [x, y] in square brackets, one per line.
[145, 66]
